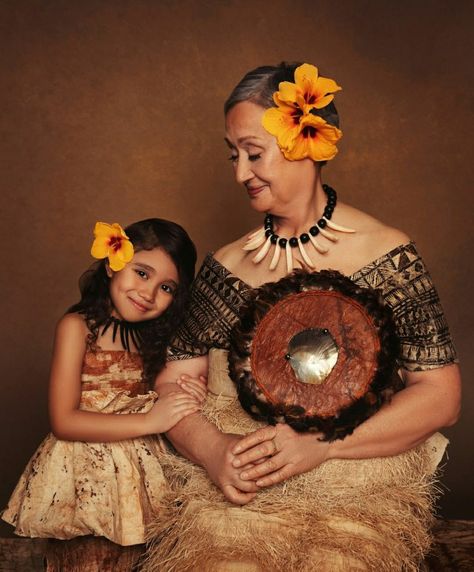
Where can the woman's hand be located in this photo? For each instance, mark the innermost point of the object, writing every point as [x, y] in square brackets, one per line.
[169, 410]
[195, 386]
[220, 468]
[277, 453]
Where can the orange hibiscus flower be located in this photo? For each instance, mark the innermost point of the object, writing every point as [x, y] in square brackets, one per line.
[300, 132]
[111, 241]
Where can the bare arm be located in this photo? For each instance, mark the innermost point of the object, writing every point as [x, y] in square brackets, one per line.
[70, 423]
[201, 441]
[430, 401]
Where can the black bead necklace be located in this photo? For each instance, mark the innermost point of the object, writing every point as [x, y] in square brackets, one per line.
[314, 230]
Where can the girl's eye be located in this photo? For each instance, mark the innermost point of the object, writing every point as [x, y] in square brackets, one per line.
[142, 274]
[254, 157]
[168, 289]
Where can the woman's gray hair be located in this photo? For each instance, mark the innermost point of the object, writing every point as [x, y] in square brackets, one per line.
[259, 85]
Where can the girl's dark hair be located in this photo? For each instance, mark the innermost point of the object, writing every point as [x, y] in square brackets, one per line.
[259, 85]
[95, 304]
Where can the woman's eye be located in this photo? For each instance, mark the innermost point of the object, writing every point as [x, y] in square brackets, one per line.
[254, 157]
[233, 158]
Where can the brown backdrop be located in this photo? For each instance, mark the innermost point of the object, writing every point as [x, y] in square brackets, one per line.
[112, 111]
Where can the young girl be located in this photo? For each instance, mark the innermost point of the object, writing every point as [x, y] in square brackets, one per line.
[98, 473]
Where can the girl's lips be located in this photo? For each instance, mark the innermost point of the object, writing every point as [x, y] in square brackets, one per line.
[138, 306]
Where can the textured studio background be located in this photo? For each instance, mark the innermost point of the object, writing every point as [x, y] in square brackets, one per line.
[112, 110]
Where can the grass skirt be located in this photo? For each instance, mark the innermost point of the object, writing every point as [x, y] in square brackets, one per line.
[371, 514]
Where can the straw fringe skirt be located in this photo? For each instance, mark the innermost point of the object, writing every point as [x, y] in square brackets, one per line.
[346, 515]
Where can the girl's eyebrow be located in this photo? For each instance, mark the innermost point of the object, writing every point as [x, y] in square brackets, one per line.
[145, 266]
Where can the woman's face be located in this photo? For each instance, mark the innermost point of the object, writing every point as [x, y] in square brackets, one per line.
[273, 183]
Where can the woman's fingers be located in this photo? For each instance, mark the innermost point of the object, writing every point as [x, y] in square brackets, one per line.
[271, 465]
[277, 477]
[252, 439]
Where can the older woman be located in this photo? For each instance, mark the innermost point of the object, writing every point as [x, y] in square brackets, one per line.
[256, 497]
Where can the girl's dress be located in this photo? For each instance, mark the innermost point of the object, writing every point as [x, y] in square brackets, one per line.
[73, 488]
[368, 514]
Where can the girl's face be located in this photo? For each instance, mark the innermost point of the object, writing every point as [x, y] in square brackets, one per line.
[144, 289]
[272, 182]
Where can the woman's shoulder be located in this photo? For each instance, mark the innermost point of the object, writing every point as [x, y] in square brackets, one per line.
[231, 255]
[372, 238]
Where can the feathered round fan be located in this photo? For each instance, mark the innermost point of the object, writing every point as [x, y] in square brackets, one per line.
[316, 351]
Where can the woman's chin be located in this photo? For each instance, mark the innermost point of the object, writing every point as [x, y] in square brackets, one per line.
[259, 204]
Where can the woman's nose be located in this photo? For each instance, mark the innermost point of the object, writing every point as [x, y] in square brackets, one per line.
[243, 172]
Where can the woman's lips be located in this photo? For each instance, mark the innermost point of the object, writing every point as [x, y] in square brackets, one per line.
[254, 191]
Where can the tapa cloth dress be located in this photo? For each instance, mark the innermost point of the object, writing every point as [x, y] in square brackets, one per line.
[368, 514]
[74, 488]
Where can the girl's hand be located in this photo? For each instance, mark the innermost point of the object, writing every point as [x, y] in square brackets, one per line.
[219, 466]
[169, 410]
[195, 386]
[278, 453]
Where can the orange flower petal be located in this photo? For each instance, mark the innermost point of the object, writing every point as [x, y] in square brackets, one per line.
[316, 140]
[305, 75]
[281, 125]
[287, 92]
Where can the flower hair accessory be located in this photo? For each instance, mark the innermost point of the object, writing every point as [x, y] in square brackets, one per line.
[296, 121]
[110, 241]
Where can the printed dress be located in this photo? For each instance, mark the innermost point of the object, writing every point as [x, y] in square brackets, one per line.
[368, 514]
[73, 488]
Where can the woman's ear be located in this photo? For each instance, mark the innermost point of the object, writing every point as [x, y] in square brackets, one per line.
[108, 270]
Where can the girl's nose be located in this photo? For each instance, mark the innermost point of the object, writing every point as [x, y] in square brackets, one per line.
[148, 292]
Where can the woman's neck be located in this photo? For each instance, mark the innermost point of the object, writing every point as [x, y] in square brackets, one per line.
[301, 215]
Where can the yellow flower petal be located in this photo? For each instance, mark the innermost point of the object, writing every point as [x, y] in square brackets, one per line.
[100, 247]
[127, 250]
[103, 229]
[118, 230]
[115, 262]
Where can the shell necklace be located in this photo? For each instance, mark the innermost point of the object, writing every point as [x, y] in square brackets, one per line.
[265, 237]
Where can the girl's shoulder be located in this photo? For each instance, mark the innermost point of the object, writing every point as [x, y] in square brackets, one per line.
[73, 327]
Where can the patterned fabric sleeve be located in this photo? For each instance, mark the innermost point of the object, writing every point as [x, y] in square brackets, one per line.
[407, 287]
[216, 298]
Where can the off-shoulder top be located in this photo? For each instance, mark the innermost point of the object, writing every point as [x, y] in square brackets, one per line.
[401, 275]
